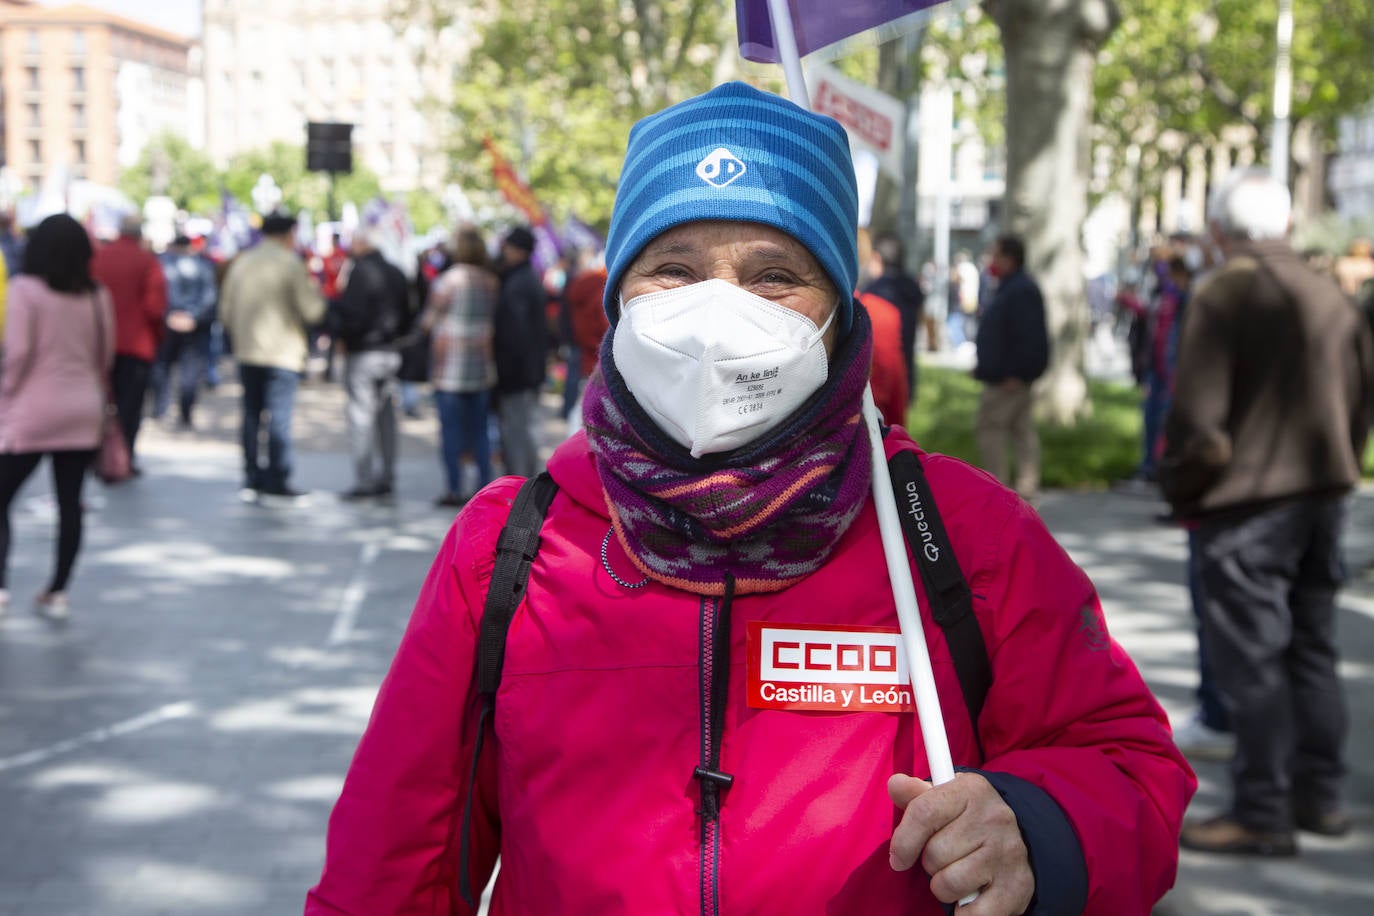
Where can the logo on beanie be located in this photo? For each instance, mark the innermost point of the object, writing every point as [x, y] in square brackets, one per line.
[720, 168]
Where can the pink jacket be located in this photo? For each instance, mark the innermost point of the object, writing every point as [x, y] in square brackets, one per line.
[52, 387]
[587, 791]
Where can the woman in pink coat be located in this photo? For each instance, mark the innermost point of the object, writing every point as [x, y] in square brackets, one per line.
[59, 343]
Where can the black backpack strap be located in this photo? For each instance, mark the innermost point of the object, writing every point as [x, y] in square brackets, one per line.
[516, 548]
[951, 601]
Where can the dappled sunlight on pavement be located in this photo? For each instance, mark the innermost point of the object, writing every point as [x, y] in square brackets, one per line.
[178, 746]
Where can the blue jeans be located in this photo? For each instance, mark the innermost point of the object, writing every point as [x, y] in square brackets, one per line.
[273, 391]
[186, 353]
[572, 384]
[1154, 408]
[212, 349]
[463, 429]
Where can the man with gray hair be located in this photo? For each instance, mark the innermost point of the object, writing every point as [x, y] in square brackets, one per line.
[1264, 439]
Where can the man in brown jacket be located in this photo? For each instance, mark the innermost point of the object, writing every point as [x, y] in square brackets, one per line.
[1264, 438]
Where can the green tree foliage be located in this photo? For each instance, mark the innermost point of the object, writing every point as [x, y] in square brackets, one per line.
[301, 190]
[1194, 68]
[425, 211]
[556, 84]
[169, 166]
[966, 51]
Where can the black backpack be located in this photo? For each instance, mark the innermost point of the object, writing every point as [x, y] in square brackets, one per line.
[948, 593]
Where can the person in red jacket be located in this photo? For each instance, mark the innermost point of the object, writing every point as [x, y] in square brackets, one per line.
[134, 277]
[889, 371]
[704, 705]
[587, 319]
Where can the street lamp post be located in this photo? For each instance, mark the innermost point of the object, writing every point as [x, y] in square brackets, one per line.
[1283, 94]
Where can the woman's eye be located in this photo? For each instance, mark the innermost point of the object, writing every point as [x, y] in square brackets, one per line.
[673, 271]
[776, 278]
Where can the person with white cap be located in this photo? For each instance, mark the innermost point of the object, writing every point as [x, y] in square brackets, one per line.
[700, 704]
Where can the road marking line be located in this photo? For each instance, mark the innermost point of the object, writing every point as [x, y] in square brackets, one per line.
[351, 604]
[128, 726]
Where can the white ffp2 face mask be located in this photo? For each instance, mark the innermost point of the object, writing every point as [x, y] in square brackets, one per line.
[715, 366]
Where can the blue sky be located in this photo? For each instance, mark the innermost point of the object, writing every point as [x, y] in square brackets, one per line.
[173, 15]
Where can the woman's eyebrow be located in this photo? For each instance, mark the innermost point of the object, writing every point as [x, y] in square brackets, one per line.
[671, 249]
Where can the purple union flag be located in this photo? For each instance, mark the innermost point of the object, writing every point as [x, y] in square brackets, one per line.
[817, 22]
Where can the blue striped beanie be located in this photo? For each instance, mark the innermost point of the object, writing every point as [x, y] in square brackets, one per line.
[736, 153]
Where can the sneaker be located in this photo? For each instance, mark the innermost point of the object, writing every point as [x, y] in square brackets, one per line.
[375, 491]
[360, 493]
[4, 601]
[449, 501]
[1137, 486]
[1329, 822]
[248, 494]
[1225, 834]
[1201, 742]
[53, 605]
[283, 496]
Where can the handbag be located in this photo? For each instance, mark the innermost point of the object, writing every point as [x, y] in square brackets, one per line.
[113, 463]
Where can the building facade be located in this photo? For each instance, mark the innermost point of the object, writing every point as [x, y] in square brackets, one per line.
[271, 66]
[1352, 169]
[84, 90]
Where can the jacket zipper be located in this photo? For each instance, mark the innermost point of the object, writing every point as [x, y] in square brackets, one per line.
[714, 682]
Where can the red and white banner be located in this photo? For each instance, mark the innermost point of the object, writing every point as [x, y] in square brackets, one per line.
[516, 192]
[873, 119]
[827, 668]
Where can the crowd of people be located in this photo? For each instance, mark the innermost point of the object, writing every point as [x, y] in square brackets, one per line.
[714, 484]
[124, 329]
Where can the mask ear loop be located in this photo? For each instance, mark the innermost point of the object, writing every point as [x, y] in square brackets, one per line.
[823, 328]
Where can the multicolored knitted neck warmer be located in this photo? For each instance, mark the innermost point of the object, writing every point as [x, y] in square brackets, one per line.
[768, 513]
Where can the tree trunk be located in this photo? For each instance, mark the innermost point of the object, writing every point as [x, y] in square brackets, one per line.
[1050, 48]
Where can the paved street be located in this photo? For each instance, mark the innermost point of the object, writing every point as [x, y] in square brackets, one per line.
[177, 747]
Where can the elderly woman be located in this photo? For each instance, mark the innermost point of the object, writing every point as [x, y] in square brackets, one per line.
[689, 718]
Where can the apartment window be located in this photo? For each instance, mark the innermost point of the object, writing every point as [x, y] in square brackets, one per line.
[79, 79]
[79, 151]
[35, 115]
[78, 41]
[34, 45]
[78, 116]
[31, 73]
[35, 151]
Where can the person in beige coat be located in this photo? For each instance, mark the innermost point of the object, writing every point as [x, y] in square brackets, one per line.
[267, 306]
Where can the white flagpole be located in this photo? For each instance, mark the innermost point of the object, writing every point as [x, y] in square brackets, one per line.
[889, 523]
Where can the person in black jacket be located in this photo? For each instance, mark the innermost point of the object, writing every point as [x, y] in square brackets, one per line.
[370, 317]
[521, 344]
[897, 286]
[191, 298]
[1013, 351]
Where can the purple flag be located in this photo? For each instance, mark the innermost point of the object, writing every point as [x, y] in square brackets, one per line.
[581, 237]
[547, 250]
[817, 22]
